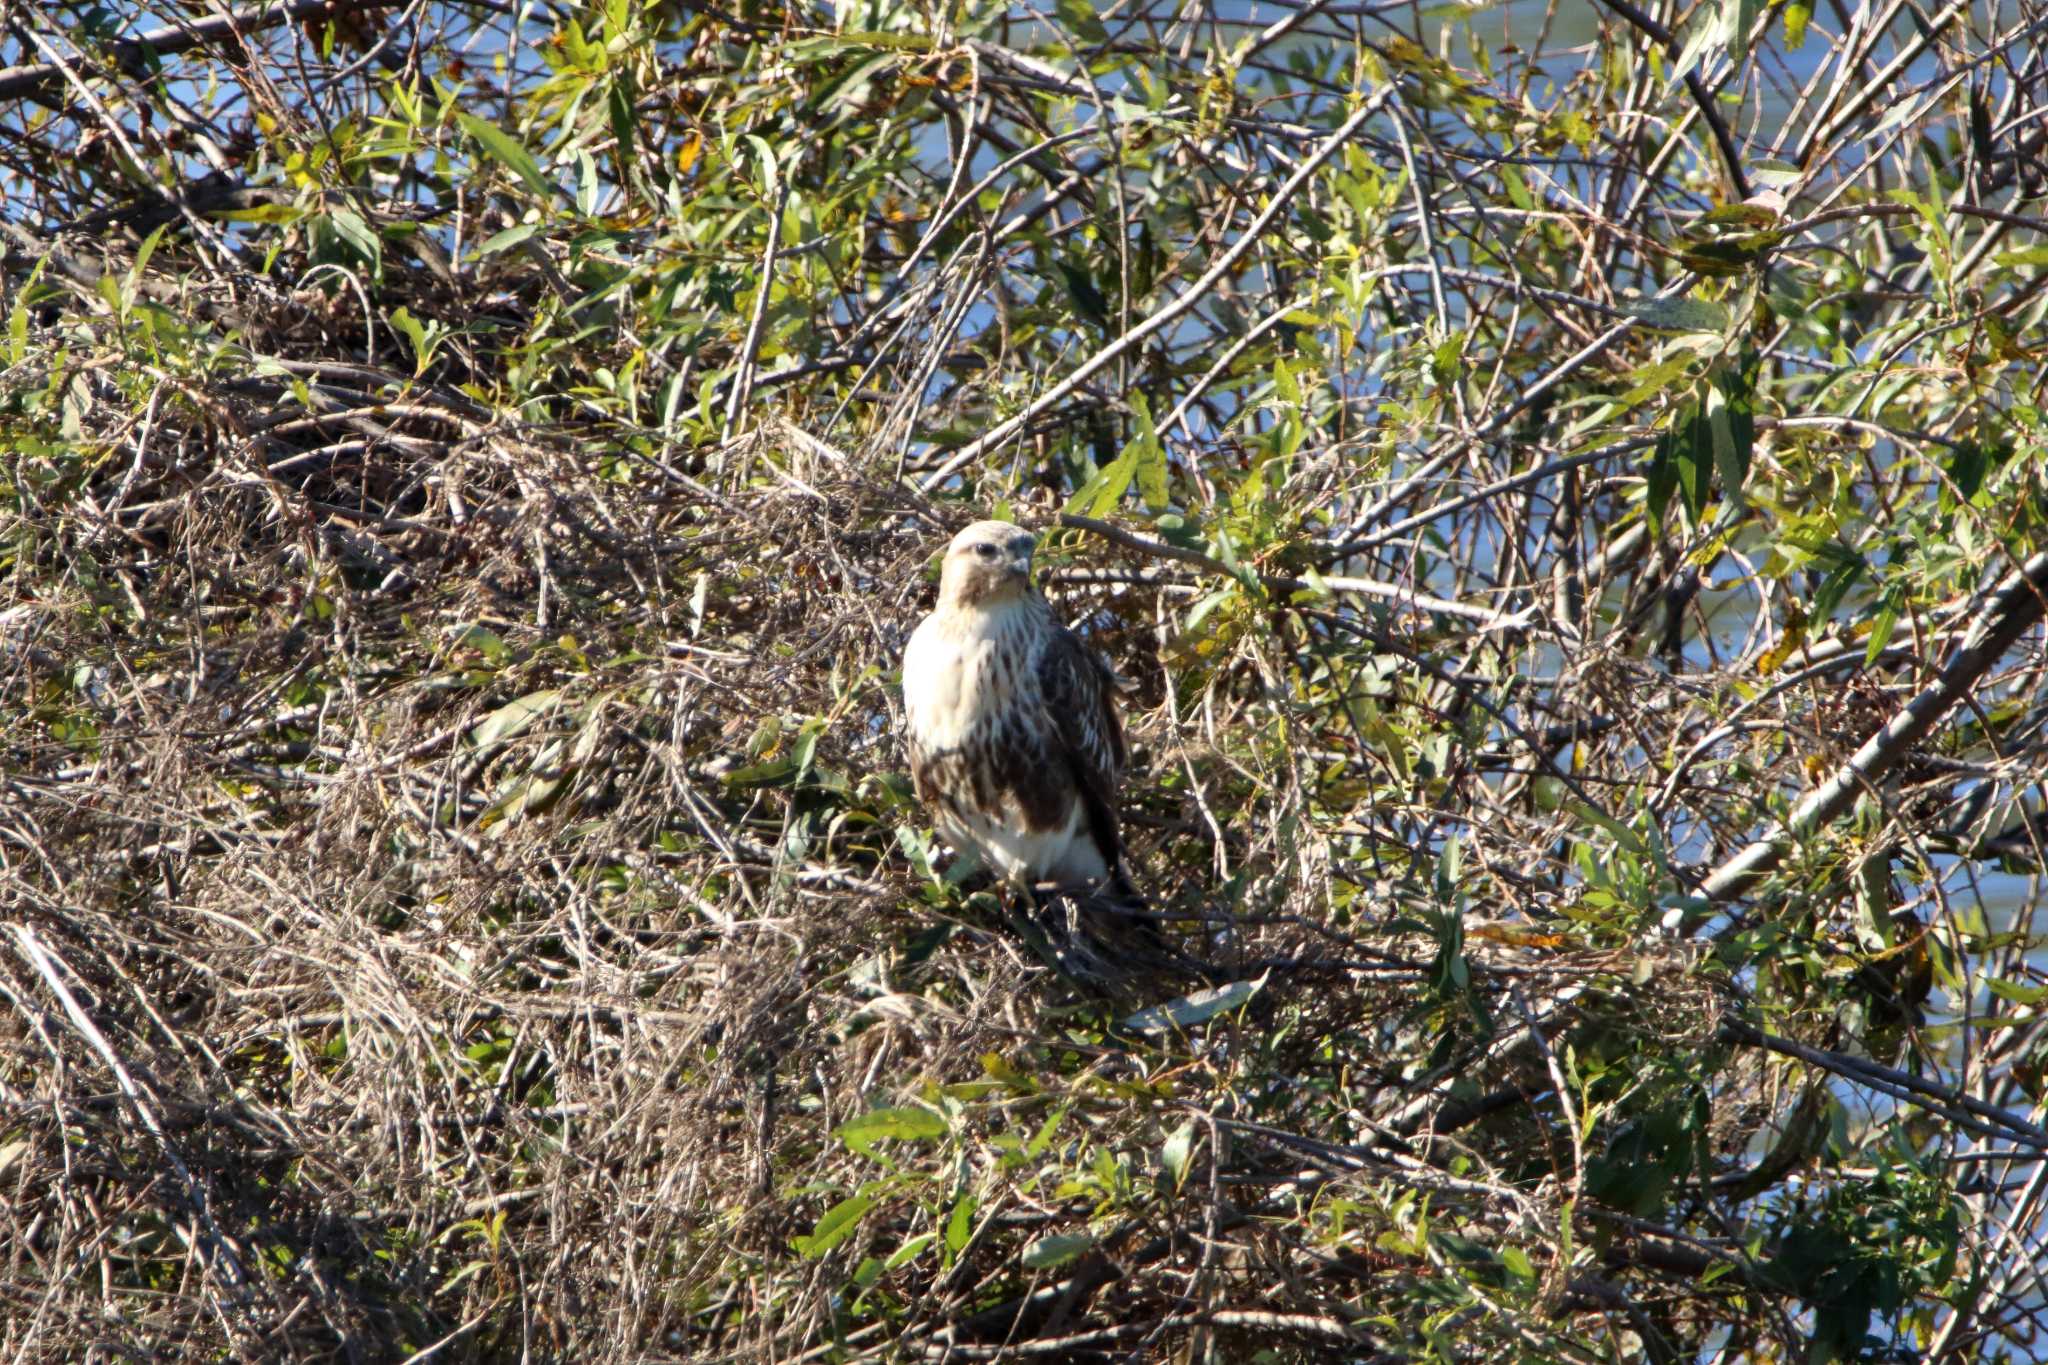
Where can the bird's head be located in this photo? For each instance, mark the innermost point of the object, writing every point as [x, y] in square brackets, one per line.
[987, 564]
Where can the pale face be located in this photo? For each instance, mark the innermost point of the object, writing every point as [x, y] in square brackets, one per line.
[988, 562]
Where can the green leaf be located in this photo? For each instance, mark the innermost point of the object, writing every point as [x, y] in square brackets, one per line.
[142, 255]
[835, 1227]
[508, 150]
[625, 127]
[1679, 314]
[1047, 1252]
[853, 39]
[1194, 1007]
[1100, 495]
[1882, 625]
[2017, 992]
[350, 227]
[1849, 569]
[1737, 17]
[1695, 461]
[587, 184]
[771, 172]
[960, 1223]
[17, 317]
[1774, 175]
[1798, 14]
[511, 236]
[1703, 33]
[1967, 464]
[1042, 1139]
[1723, 257]
[1174, 1155]
[524, 795]
[485, 641]
[854, 86]
[1081, 23]
[1284, 383]
[1731, 416]
[1149, 455]
[909, 1251]
[917, 849]
[1661, 481]
[911, 1123]
[768, 772]
[403, 322]
[1086, 297]
[1202, 609]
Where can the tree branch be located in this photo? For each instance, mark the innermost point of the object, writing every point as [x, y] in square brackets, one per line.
[1196, 292]
[2012, 611]
[32, 81]
[1701, 96]
[1964, 1111]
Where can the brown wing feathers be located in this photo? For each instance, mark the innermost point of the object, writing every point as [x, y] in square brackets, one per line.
[1084, 729]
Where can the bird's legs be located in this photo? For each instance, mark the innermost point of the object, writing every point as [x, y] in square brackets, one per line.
[1089, 888]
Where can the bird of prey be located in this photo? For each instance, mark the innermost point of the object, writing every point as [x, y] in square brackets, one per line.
[1014, 743]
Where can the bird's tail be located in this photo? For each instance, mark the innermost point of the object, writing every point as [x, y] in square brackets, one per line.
[1119, 931]
[1120, 890]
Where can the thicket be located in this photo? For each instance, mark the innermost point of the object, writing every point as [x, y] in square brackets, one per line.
[1567, 487]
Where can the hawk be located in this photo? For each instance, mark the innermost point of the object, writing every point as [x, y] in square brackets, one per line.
[1013, 741]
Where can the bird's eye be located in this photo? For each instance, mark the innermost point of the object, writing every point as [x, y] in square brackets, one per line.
[985, 550]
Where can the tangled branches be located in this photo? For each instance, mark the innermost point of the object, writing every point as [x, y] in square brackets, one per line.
[1573, 529]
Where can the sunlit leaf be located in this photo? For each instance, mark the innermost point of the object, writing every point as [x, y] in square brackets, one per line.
[839, 1222]
[1048, 1252]
[1194, 1008]
[509, 152]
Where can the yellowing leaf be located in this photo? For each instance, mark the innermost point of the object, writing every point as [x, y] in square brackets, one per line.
[513, 717]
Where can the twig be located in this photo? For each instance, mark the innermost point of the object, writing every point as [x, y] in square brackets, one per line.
[1930, 32]
[2012, 611]
[1557, 1079]
[1486, 494]
[33, 80]
[743, 382]
[1252, 235]
[221, 1260]
[1301, 1324]
[1486, 619]
[1702, 98]
[1962, 1110]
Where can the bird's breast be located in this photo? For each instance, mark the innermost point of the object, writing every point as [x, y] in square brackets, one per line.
[958, 673]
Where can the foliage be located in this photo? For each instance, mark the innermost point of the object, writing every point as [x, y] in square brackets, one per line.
[1569, 500]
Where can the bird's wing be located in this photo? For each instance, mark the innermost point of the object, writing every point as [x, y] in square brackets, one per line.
[917, 682]
[1086, 735]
